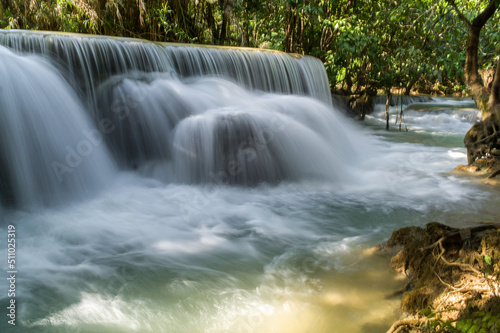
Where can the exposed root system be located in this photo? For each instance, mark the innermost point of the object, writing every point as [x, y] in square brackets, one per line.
[452, 277]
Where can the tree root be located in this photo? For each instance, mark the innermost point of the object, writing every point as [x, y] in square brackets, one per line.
[449, 272]
[404, 323]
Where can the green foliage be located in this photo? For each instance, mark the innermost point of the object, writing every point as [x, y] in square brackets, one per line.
[6, 18]
[490, 41]
[73, 19]
[169, 27]
[478, 322]
[365, 45]
[488, 267]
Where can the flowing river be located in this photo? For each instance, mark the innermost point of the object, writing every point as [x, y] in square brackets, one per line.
[156, 200]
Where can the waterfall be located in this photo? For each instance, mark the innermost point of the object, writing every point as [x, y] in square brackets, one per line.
[88, 60]
[178, 113]
[48, 147]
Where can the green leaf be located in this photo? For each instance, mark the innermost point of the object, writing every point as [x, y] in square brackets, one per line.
[466, 326]
[474, 328]
[488, 260]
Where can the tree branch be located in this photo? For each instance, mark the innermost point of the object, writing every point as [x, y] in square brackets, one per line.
[459, 13]
[426, 39]
[485, 15]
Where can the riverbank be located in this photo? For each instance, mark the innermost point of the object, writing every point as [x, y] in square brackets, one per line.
[483, 170]
[452, 277]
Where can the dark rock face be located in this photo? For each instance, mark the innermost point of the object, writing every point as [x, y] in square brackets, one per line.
[483, 140]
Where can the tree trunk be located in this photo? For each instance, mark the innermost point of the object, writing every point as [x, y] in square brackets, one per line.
[290, 30]
[225, 19]
[494, 101]
[300, 35]
[246, 27]
[483, 139]
[387, 104]
[471, 75]
[211, 23]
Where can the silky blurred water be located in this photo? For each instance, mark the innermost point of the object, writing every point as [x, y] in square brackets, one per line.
[149, 256]
[155, 202]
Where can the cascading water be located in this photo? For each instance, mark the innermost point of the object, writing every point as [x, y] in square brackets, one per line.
[151, 135]
[88, 61]
[45, 154]
[199, 130]
[225, 134]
